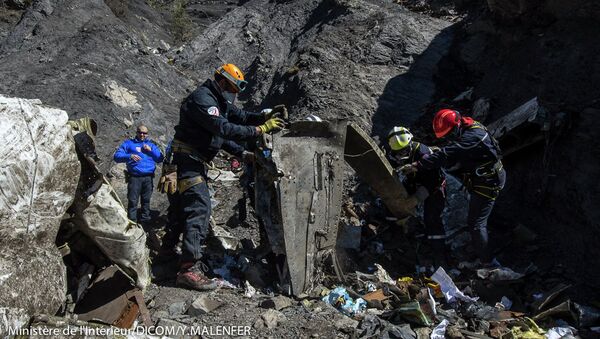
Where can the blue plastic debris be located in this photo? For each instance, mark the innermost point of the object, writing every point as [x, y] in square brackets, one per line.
[340, 299]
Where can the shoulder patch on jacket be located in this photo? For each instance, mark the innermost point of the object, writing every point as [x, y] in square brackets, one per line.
[214, 111]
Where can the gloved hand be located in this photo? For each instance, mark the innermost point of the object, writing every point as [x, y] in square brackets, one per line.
[168, 179]
[272, 125]
[408, 169]
[278, 111]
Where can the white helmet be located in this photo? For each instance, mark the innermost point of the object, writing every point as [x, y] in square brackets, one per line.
[399, 137]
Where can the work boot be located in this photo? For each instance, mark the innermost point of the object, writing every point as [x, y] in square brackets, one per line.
[192, 276]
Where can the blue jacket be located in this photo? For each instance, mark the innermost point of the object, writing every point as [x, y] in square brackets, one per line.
[147, 164]
[208, 122]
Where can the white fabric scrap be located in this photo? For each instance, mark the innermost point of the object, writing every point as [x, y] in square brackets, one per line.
[383, 276]
[561, 333]
[439, 332]
[449, 289]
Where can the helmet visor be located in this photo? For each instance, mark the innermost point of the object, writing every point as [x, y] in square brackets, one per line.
[239, 85]
[399, 138]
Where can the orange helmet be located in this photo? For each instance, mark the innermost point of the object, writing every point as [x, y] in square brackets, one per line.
[234, 75]
[444, 121]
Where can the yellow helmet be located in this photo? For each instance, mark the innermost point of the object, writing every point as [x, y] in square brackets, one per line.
[234, 75]
[399, 137]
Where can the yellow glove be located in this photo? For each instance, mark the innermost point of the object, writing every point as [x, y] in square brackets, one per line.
[272, 125]
[168, 179]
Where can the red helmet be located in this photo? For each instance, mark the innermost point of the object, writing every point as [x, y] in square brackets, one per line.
[444, 121]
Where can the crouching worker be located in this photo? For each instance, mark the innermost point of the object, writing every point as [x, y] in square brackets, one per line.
[141, 156]
[473, 156]
[208, 122]
[405, 150]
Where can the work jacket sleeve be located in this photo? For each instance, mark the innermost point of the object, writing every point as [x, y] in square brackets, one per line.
[239, 116]
[210, 118]
[121, 155]
[451, 154]
[436, 160]
[233, 148]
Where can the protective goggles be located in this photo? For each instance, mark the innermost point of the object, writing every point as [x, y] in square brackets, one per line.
[240, 85]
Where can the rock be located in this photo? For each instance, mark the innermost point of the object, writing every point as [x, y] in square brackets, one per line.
[120, 95]
[272, 318]
[423, 332]
[39, 176]
[345, 324]
[13, 318]
[453, 332]
[279, 302]
[259, 324]
[177, 308]
[17, 4]
[203, 305]
[160, 314]
[481, 109]
[163, 46]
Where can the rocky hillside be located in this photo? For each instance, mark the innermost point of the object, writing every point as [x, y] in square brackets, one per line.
[336, 59]
[103, 59]
[376, 62]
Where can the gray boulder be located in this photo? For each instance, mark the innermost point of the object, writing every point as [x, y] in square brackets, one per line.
[39, 172]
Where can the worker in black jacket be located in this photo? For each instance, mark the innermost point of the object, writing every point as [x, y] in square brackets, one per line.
[208, 122]
[474, 157]
[405, 150]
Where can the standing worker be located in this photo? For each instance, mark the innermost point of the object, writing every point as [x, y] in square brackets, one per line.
[474, 157]
[208, 121]
[141, 156]
[405, 150]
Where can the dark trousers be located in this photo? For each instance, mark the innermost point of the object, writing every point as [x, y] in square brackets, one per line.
[174, 223]
[139, 187]
[194, 212]
[432, 214]
[433, 207]
[481, 203]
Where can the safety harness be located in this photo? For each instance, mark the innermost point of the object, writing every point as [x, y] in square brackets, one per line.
[486, 170]
[181, 147]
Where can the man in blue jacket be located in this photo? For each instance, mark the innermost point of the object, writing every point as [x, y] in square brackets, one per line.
[141, 156]
[208, 122]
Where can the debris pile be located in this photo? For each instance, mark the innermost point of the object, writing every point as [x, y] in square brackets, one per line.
[414, 307]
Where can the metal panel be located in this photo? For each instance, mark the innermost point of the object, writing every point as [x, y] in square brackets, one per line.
[369, 162]
[299, 195]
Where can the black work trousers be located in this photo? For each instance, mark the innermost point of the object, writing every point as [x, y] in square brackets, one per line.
[483, 194]
[139, 187]
[194, 209]
[433, 207]
[432, 214]
[174, 223]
